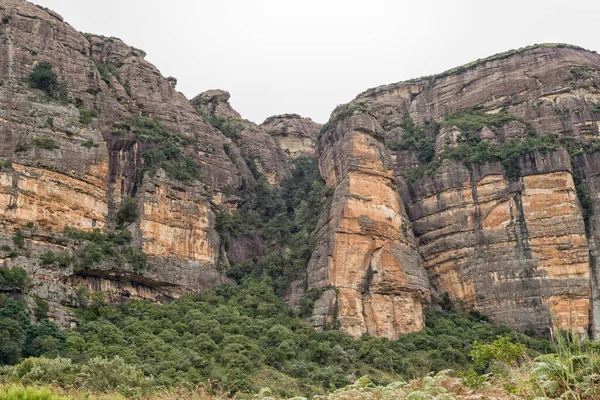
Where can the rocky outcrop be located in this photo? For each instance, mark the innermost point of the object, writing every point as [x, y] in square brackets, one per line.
[366, 261]
[257, 146]
[60, 169]
[297, 136]
[511, 243]
[551, 86]
[516, 250]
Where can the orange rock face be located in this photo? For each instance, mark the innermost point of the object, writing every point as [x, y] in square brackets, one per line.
[365, 248]
[515, 250]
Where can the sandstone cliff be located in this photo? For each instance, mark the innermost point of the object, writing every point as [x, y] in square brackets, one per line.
[501, 229]
[480, 182]
[366, 257]
[74, 159]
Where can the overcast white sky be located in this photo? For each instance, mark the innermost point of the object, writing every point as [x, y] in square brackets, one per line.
[305, 57]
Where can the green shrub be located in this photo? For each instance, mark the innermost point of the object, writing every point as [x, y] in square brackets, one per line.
[283, 219]
[63, 260]
[45, 143]
[50, 122]
[414, 138]
[86, 116]
[41, 307]
[113, 246]
[12, 278]
[163, 150]
[5, 165]
[43, 370]
[107, 70]
[127, 212]
[502, 350]
[42, 77]
[107, 375]
[88, 144]
[28, 393]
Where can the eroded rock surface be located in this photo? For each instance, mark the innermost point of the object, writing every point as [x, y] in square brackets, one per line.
[297, 136]
[511, 243]
[366, 256]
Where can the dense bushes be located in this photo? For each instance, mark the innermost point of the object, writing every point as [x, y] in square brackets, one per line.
[20, 338]
[12, 278]
[283, 218]
[415, 138]
[246, 338]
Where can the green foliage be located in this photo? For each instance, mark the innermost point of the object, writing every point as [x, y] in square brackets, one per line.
[88, 144]
[502, 350]
[27, 393]
[595, 108]
[50, 122]
[471, 150]
[20, 338]
[12, 278]
[470, 121]
[106, 71]
[472, 379]
[97, 374]
[284, 219]
[5, 165]
[99, 247]
[86, 116]
[42, 77]
[62, 259]
[45, 143]
[228, 126]
[414, 138]
[127, 212]
[41, 307]
[241, 335]
[163, 150]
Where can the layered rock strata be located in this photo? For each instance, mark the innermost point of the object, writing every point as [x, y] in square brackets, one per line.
[516, 249]
[366, 261]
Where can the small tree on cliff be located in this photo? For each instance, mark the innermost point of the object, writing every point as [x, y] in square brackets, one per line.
[42, 77]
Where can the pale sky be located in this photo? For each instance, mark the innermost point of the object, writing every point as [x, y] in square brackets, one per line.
[305, 57]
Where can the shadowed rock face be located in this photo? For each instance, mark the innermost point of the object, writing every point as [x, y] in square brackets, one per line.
[515, 249]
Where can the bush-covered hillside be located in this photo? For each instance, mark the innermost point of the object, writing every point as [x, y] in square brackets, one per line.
[244, 338]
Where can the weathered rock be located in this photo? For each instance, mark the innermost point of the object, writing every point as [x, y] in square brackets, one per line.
[297, 136]
[516, 250]
[365, 246]
[68, 173]
[256, 145]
